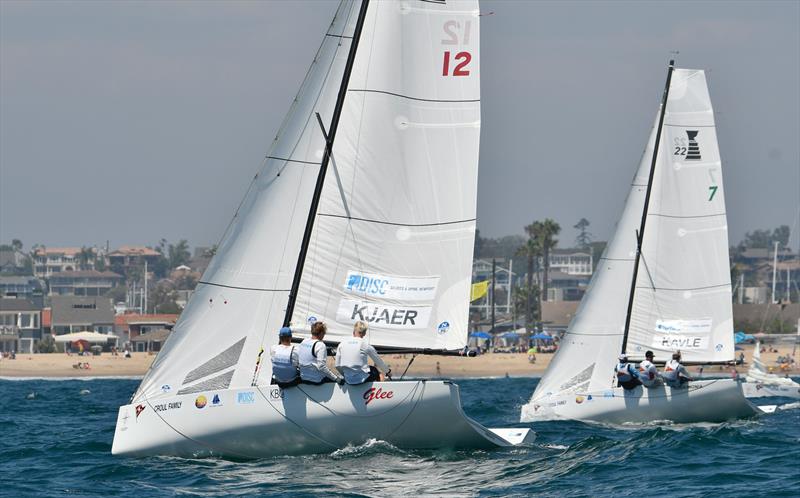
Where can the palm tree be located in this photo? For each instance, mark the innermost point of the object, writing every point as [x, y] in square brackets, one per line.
[531, 250]
[85, 256]
[544, 232]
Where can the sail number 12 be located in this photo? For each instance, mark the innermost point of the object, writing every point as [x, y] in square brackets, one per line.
[457, 33]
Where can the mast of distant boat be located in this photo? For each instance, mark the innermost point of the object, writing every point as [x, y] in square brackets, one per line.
[640, 232]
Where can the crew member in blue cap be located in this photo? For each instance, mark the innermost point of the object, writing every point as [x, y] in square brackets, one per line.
[285, 371]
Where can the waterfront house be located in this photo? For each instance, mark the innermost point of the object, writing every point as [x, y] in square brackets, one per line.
[20, 325]
[84, 283]
[76, 314]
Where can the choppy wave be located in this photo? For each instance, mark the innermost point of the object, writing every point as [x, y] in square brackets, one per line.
[62, 443]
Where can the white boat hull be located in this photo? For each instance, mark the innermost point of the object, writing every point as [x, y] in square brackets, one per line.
[267, 421]
[702, 401]
[763, 390]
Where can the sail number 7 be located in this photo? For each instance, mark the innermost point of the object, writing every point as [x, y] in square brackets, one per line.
[713, 190]
[456, 33]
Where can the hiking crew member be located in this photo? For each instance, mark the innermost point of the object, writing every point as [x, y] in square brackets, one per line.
[675, 374]
[648, 374]
[627, 377]
[352, 358]
[284, 357]
[313, 358]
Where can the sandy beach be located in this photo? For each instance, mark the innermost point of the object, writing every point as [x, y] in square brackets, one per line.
[487, 365]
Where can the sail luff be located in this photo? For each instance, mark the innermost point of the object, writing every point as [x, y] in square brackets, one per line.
[331, 136]
[640, 232]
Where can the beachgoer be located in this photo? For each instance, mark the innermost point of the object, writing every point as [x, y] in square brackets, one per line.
[126, 354]
[648, 375]
[284, 357]
[627, 377]
[675, 374]
[313, 358]
[352, 358]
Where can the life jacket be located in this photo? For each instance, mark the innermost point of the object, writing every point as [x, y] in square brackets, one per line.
[671, 370]
[625, 372]
[647, 373]
[309, 362]
[282, 367]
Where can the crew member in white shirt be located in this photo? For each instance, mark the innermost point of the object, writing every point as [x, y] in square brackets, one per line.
[352, 358]
[675, 374]
[313, 359]
[648, 374]
[284, 357]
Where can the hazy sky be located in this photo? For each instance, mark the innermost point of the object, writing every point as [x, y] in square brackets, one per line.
[133, 121]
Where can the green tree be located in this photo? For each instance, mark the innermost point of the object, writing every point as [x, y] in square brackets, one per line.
[532, 251]
[163, 297]
[178, 254]
[85, 257]
[16, 244]
[584, 238]
[544, 232]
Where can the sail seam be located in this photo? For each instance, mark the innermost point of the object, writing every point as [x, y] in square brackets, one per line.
[685, 288]
[396, 224]
[687, 217]
[409, 97]
[292, 160]
[338, 36]
[689, 126]
[242, 288]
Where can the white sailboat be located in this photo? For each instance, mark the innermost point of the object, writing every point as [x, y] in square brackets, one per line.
[663, 283]
[760, 383]
[363, 210]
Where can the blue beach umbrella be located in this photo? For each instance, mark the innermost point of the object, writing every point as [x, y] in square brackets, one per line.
[481, 335]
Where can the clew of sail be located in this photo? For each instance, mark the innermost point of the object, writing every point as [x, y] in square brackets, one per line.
[393, 237]
[682, 299]
[241, 299]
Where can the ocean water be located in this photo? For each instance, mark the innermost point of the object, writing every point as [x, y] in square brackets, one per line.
[56, 441]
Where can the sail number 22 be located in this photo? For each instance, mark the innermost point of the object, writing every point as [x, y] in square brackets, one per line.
[457, 33]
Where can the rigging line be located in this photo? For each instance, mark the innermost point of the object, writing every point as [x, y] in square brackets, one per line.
[301, 259]
[413, 357]
[292, 160]
[205, 282]
[366, 220]
[196, 441]
[640, 233]
[446, 101]
[335, 169]
[615, 259]
[413, 408]
[318, 438]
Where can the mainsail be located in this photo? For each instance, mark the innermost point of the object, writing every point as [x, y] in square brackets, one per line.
[394, 228]
[682, 295]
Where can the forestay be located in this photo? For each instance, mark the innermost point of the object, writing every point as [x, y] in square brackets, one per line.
[393, 236]
[683, 289]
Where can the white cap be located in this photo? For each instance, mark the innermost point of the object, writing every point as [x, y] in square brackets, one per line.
[623, 357]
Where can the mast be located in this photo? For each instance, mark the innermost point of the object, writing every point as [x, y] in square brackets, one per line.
[640, 232]
[312, 212]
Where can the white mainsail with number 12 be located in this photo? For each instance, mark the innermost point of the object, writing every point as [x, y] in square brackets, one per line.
[663, 283]
[391, 239]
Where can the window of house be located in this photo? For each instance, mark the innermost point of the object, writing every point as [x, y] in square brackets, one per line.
[25, 320]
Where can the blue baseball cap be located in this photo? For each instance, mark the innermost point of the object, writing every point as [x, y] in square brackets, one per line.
[285, 332]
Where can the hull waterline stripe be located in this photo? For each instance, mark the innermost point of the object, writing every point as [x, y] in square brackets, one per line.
[397, 224]
[292, 160]
[242, 288]
[366, 90]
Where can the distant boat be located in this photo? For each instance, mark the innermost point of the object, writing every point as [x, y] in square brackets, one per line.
[364, 210]
[663, 283]
[760, 383]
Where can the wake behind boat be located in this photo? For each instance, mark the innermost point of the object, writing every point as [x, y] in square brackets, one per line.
[363, 211]
[663, 283]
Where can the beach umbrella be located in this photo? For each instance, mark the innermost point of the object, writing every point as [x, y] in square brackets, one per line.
[510, 335]
[88, 337]
[481, 335]
[543, 337]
